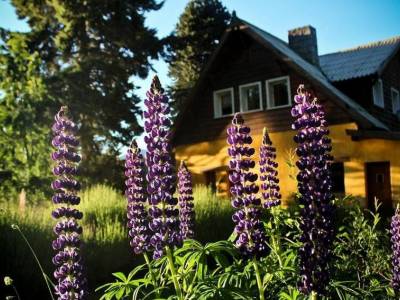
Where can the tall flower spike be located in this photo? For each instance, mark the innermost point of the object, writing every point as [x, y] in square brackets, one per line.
[314, 186]
[251, 238]
[161, 177]
[186, 212]
[395, 239]
[136, 194]
[71, 282]
[269, 174]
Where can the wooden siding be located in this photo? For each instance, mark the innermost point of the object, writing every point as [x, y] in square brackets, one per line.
[360, 90]
[244, 61]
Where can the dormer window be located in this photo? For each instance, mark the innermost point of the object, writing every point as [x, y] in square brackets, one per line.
[223, 103]
[377, 93]
[395, 100]
[250, 97]
[278, 92]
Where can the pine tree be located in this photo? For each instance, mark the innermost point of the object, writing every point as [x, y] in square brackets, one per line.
[196, 36]
[89, 51]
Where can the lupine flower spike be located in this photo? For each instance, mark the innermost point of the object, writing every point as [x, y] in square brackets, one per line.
[269, 174]
[71, 282]
[251, 237]
[186, 212]
[395, 239]
[136, 194]
[314, 185]
[161, 175]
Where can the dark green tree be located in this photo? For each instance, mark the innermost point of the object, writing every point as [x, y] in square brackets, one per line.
[195, 37]
[89, 53]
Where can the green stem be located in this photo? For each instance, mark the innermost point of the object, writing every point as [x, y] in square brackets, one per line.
[173, 273]
[36, 258]
[314, 296]
[153, 277]
[16, 292]
[259, 281]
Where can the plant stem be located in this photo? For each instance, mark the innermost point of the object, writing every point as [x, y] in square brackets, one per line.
[14, 226]
[173, 273]
[16, 292]
[314, 296]
[153, 277]
[259, 281]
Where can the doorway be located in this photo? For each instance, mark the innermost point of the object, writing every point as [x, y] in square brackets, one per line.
[378, 186]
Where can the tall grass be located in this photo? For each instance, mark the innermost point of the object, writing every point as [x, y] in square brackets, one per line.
[106, 246]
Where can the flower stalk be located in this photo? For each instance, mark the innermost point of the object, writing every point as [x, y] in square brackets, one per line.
[258, 278]
[71, 281]
[395, 241]
[269, 174]
[315, 197]
[186, 205]
[161, 177]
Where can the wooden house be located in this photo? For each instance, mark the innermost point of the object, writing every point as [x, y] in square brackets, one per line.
[257, 74]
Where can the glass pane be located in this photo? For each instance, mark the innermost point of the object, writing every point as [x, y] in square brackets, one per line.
[279, 93]
[251, 95]
[226, 103]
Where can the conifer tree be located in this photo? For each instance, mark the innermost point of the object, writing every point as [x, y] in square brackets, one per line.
[195, 37]
[88, 54]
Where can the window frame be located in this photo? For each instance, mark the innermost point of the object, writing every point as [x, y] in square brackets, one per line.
[374, 100]
[241, 100]
[215, 103]
[394, 90]
[269, 101]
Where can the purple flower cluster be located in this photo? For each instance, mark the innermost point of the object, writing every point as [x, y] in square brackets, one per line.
[186, 212]
[395, 239]
[161, 177]
[71, 282]
[136, 195]
[269, 174]
[314, 185]
[251, 238]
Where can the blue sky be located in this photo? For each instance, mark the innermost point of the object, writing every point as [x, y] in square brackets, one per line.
[340, 24]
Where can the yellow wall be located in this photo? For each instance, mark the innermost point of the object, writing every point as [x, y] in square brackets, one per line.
[205, 156]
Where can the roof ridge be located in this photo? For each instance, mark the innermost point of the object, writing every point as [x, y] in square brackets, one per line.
[388, 41]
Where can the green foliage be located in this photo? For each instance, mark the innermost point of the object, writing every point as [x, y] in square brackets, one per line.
[83, 54]
[106, 246]
[362, 251]
[216, 271]
[24, 153]
[196, 36]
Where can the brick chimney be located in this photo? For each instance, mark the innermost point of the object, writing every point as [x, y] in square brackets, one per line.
[303, 41]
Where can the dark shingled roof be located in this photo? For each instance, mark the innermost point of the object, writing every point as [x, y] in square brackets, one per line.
[359, 61]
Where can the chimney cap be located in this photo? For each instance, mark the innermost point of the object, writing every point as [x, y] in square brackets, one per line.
[307, 29]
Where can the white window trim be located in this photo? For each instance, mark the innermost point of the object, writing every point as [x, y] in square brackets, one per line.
[258, 83]
[392, 89]
[269, 104]
[381, 105]
[220, 115]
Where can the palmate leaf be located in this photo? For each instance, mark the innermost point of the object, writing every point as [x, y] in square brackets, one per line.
[124, 285]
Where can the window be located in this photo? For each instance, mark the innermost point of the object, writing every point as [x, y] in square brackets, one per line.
[377, 93]
[223, 103]
[250, 97]
[337, 171]
[278, 92]
[395, 100]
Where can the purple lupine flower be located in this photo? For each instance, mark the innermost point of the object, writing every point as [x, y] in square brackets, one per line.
[161, 177]
[186, 212]
[69, 274]
[314, 186]
[136, 194]
[269, 175]
[395, 239]
[251, 238]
